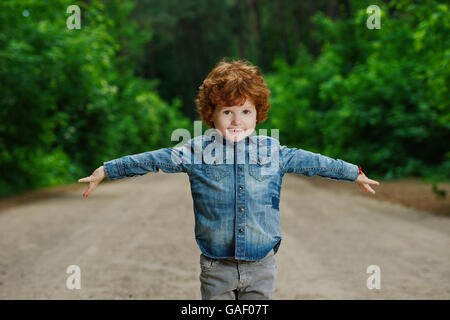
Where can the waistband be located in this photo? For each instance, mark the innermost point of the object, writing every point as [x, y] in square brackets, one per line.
[271, 253]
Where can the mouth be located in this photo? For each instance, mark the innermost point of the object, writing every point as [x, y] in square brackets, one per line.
[235, 131]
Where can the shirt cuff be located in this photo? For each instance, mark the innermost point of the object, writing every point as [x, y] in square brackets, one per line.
[354, 172]
[113, 169]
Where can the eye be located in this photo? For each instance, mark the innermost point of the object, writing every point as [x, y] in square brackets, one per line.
[246, 111]
[226, 111]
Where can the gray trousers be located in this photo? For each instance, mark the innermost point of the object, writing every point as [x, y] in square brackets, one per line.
[230, 279]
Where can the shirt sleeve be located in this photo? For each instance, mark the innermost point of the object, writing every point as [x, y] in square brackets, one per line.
[169, 160]
[309, 164]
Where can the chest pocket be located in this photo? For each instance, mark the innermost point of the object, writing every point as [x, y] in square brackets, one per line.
[217, 171]
[261, 171]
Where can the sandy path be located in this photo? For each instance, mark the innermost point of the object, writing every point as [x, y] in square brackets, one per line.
[134, 239]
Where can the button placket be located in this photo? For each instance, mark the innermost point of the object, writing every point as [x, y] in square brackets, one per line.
[240, 207]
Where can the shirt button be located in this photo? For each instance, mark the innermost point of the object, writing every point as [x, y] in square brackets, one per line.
[240, 189]
[241, 209]
[241, 230]
[240, 168]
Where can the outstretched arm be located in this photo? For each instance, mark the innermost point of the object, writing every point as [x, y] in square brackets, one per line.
[169, 160]
[309, 164]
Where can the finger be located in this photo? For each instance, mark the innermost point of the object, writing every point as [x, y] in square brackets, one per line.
[362, 187]
[370, 181]
[91, 188]
[85, 193]
[369, 189]
[87, 179]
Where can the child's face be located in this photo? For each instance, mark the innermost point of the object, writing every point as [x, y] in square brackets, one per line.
[242, 118]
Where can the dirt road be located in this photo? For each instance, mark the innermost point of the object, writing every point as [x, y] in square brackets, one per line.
[134, 239]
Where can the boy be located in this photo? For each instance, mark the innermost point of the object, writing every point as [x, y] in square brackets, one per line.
[235, 184]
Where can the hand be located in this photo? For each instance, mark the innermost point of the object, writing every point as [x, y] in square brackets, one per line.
[94, 179]
[364, 182]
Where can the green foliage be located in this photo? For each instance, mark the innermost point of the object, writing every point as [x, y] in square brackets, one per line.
[378, 98]
[72, 99]
[69, 99]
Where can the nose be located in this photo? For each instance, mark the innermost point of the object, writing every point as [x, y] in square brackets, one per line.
[236, 120]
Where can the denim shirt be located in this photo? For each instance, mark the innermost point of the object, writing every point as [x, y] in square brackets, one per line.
[235, 187]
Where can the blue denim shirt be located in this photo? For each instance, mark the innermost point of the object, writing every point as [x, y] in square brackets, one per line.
[235, 187]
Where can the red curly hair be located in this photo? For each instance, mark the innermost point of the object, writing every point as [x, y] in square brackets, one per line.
[230, 83]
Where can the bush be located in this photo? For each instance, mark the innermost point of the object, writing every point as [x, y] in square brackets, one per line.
[68, 102]
[377, 98]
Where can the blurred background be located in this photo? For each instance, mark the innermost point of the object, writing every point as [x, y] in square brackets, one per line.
[119, 85]
[71, 99]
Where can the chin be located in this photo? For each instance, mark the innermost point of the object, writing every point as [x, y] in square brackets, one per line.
[238, 137]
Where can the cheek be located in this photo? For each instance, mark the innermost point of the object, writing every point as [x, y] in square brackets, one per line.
[251, 120]
[221, 122]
